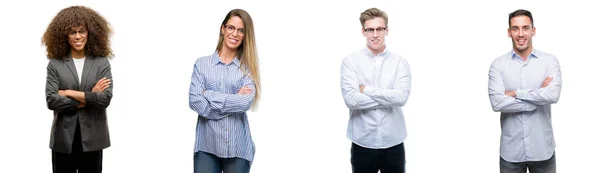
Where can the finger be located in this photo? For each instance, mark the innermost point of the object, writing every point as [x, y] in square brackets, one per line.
[105, 81]
[104, 87]
[100, 82]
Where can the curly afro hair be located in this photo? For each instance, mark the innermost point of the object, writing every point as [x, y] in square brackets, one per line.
[56, 36]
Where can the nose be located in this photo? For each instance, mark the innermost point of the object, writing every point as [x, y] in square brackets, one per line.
[77, 35]
[521, 33]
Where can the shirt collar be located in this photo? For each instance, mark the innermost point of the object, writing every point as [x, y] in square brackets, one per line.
[216, 60]
[371, 55]
[534, 54]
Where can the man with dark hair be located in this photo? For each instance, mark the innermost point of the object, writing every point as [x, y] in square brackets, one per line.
[522, 86]
[375, 85]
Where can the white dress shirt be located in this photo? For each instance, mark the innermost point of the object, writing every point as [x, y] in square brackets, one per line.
[376, 118]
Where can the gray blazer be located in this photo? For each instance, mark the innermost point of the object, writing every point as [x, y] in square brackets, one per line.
[62, 75]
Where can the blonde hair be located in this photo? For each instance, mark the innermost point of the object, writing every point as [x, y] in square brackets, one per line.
[372, 13]
[247, 52]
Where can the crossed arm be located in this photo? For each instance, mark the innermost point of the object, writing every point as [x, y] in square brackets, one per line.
[503, 100]
[70, 100]
[359, 96]
[212, 104]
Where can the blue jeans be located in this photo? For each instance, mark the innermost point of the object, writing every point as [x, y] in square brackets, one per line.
[544, 166]
[209, 163]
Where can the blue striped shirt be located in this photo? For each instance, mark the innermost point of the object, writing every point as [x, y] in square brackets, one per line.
[222, 128]
[525, 120]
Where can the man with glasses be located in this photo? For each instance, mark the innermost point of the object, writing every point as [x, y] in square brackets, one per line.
[375, 85]
[522, 85]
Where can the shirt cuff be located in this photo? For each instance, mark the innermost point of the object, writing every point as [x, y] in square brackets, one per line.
[522, 93]
[368, 90]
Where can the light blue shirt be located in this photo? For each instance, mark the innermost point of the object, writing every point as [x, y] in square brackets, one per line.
[376, 118]
[222, 128]
[526, 120]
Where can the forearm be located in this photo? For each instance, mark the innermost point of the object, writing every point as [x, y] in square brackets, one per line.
[542, 96]
[388, 97]
[229, 102]
[76, 95]
[203, 108]
[98, 99]
[357, 100]
[507, 104]
[59, 103]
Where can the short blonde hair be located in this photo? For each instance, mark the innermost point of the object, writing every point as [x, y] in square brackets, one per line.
[372, 13]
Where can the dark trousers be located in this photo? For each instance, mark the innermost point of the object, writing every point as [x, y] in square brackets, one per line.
[77, 161]
[389, 160]
[544, 166]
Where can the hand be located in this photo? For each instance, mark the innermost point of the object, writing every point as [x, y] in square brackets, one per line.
[546, 82]
[101, 85]
[511, 93]
[362, 88]
[81, 105]
[245, 90]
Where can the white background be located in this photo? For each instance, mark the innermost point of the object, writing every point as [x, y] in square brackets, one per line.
[301, 123]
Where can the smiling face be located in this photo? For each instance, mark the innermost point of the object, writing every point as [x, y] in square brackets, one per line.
[77, 40]
[521, 31]
[375, 31]
[233, 33]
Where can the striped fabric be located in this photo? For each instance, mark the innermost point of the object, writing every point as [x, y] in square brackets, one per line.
[222, 128]
[526, 122]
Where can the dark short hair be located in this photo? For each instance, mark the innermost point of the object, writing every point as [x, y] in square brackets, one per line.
[520, 12]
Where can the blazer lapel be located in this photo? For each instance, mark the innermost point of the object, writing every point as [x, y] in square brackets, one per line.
[71, 66]
[87, 67]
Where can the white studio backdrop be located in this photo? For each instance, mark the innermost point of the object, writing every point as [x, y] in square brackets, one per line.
[301, 123]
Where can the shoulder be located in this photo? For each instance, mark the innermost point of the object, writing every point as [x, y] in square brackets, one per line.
[204, 60]
[396, 58]
[546, 56]
[501, 59]
[354, 55]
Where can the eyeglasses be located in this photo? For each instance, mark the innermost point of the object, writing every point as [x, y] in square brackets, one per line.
[231, 28]
[372, 30]
[82, 33]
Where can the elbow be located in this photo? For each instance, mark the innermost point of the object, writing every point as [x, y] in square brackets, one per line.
[98, 99]
[51, 102]
[401, 102]
[554, 99]
[496, 108]
[243, 107]
[351, 104]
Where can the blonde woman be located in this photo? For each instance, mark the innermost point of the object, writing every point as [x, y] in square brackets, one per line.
[224, 86]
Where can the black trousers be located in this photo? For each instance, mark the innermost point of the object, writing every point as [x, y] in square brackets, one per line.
[77, 161]
[389, 160]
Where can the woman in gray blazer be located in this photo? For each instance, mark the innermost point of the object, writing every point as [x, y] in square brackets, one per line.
[78, 88]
